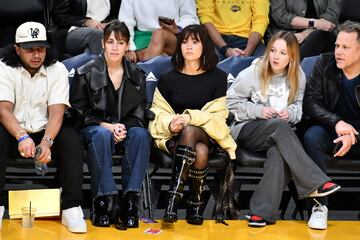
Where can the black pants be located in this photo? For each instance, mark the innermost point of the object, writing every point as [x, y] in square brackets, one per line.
[68, 153]
[316, 43]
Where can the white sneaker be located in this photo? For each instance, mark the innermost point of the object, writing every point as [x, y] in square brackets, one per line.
[73, 218]
[318, 219]
[2, 210]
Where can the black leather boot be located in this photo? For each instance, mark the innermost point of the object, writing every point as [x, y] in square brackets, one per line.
[132, 210]
[184, 157]
[194, 211]
[99, 212]
[119, 213]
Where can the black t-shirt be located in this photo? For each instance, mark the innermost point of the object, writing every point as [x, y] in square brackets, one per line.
[310, 10]
[183, 91]
[347, 106]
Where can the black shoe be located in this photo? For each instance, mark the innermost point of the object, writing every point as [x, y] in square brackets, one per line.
[132, 210]
[325, 189]
[99, 212]
[256, 221]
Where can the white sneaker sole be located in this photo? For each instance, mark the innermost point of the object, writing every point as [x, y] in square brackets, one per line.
[324, 194]
[317, 227]
[255, 224]
[79, 229]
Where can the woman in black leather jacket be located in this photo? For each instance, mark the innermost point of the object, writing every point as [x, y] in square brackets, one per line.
[109, 94]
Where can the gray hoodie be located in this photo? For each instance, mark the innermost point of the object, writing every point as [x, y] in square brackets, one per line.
[246, 103]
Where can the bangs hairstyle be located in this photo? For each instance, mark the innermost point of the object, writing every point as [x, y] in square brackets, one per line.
[208, 58]
[120, 30]
[292, 70]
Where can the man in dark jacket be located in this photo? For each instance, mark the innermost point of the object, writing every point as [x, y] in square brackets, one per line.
[332, 101]
[75, 33]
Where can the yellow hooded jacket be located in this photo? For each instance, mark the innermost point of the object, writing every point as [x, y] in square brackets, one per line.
[211, 118]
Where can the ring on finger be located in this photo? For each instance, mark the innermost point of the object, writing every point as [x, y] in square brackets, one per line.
[22, 154]
[49, 158]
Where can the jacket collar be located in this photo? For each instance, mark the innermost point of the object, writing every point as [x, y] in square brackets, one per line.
[99, 71]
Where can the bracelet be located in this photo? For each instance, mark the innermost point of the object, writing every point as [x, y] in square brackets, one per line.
[17, 134]
[23, 138]
[49, 140]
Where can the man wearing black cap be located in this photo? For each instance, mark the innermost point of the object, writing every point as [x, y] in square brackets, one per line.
[34, 93]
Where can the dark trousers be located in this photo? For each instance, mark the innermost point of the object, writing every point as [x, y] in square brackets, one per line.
[68, 153]
[285, 160]
[316, 43]
[318, 144]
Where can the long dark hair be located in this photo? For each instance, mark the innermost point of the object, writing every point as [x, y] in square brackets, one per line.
[11, 58]
[208, 58]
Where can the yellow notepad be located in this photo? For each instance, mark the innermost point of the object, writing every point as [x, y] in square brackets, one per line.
[46, 202]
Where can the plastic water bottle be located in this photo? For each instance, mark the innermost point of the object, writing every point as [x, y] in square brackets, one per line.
[40, 168]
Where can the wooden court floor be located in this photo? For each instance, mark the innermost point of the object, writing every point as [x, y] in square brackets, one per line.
[283, 230]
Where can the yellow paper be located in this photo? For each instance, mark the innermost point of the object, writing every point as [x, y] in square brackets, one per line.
[46, 202]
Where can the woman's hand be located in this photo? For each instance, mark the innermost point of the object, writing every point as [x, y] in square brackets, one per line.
[268, 112]
[179, 122]
[119, 132]
[283, 115]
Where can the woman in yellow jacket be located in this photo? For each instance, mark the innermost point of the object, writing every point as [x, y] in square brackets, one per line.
[190, 108]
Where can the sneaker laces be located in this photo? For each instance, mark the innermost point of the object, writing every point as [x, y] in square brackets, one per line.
[318, 210]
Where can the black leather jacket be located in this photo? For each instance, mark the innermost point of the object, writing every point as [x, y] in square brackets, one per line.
[322, 92]
[88, 95]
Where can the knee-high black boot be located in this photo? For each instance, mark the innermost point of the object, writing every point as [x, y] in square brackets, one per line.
[132, 210]
[194, 212]
[184, 157]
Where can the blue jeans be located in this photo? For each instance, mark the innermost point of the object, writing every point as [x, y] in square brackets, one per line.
[100, 148]
[240, 42]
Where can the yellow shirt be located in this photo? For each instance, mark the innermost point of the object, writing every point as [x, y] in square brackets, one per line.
[235, 17]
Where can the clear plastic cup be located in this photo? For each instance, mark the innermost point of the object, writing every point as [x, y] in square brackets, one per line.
[28, 217]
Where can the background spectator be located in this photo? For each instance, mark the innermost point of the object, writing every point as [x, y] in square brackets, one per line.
[236, 29]
[314, 23]
[148, 36]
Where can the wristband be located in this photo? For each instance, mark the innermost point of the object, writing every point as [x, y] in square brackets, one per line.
[17, 134]
[23, 138]
[223, 49]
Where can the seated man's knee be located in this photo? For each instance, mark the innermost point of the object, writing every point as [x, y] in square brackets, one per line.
[158, 35]
[314, 135]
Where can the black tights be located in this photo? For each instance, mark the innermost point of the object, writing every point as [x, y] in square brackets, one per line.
[197, 139]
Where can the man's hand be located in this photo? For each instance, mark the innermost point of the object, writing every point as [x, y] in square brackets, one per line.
[94, 24]
[323, 24]
[131, 56]
[233, 52]
[27, 148]
[173, 28]
[301, 36]
[342, 128]
[45, 155]
[346, 145]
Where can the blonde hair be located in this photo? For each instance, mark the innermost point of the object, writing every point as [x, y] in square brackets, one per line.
[292, 70]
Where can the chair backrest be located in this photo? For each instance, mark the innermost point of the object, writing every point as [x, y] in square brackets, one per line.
[233, 65]
[153, 68]
[73, 63]
[308, 63]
